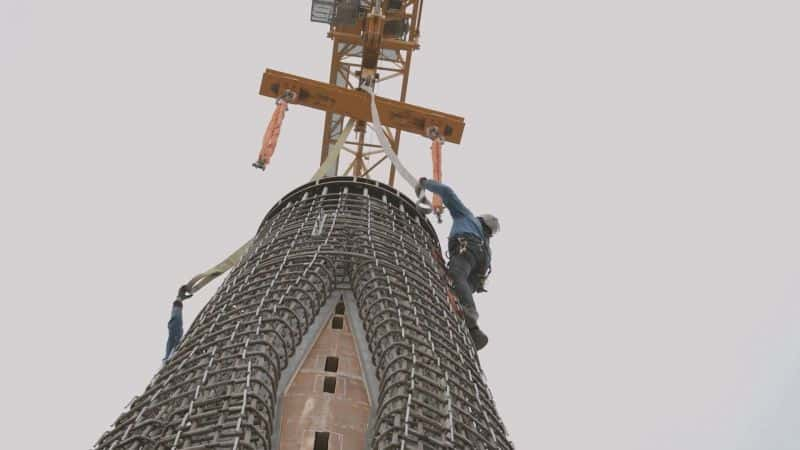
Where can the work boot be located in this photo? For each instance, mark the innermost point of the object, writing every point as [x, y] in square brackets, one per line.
[478, 337]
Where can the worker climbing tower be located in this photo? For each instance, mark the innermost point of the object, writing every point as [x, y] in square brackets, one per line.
[336, 327]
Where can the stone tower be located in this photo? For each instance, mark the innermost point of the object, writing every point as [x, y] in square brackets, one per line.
[335, 332]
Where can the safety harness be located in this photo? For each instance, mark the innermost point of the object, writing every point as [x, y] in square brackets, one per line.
[480, 274]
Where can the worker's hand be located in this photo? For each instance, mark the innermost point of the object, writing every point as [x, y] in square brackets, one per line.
[419, 187]
[184, 292]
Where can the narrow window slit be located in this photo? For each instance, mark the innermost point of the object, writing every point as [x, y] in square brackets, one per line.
[329, 385]
[331, 364]
[321, 439]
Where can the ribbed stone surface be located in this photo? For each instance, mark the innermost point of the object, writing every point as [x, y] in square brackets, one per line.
[220, 390]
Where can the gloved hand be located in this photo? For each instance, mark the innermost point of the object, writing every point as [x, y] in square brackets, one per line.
[184, 293]
[419, 187]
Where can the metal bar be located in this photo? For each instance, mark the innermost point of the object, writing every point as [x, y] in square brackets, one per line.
[391, 44]
[366, 173]
[326, 134]
[355, 104]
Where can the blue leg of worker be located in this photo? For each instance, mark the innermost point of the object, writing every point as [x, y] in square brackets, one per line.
[175, 328]
[461, 266]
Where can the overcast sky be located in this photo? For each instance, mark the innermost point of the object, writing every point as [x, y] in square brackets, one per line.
[642, 156]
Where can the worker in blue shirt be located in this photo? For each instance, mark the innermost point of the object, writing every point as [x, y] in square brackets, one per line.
[470, 254]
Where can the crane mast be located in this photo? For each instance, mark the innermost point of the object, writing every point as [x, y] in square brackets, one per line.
[368, 44]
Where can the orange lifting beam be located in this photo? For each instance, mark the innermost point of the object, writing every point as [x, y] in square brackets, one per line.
[355, 104]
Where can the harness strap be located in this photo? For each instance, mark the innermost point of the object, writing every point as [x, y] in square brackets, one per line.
[462, 245]
[481, 273]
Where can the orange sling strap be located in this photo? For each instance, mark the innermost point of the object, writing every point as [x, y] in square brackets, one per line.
[273, 131]
[436, 155]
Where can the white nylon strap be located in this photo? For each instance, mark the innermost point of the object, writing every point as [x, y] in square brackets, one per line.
[200, 280]
[377, 127]
[333, 154]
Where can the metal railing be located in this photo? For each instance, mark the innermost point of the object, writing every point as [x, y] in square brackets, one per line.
[337, 12]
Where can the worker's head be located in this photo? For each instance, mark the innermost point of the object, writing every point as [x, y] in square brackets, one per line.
[491, 225]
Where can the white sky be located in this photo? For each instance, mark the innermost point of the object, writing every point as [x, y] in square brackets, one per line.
[643, 158]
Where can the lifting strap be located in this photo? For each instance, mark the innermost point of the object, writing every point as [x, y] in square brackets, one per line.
[422, 203]
[273, 130]
[198, 281]
[436, 155]
[333, 154]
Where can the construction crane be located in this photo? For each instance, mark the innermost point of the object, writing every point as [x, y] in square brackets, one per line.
[336, 327]
[373, 44]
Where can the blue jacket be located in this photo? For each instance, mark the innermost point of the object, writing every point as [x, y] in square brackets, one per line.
[464, 222]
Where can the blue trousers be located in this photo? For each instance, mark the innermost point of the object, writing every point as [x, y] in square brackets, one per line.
[467, 257]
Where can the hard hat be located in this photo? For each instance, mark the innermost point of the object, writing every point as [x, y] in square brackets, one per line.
[491, 222]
